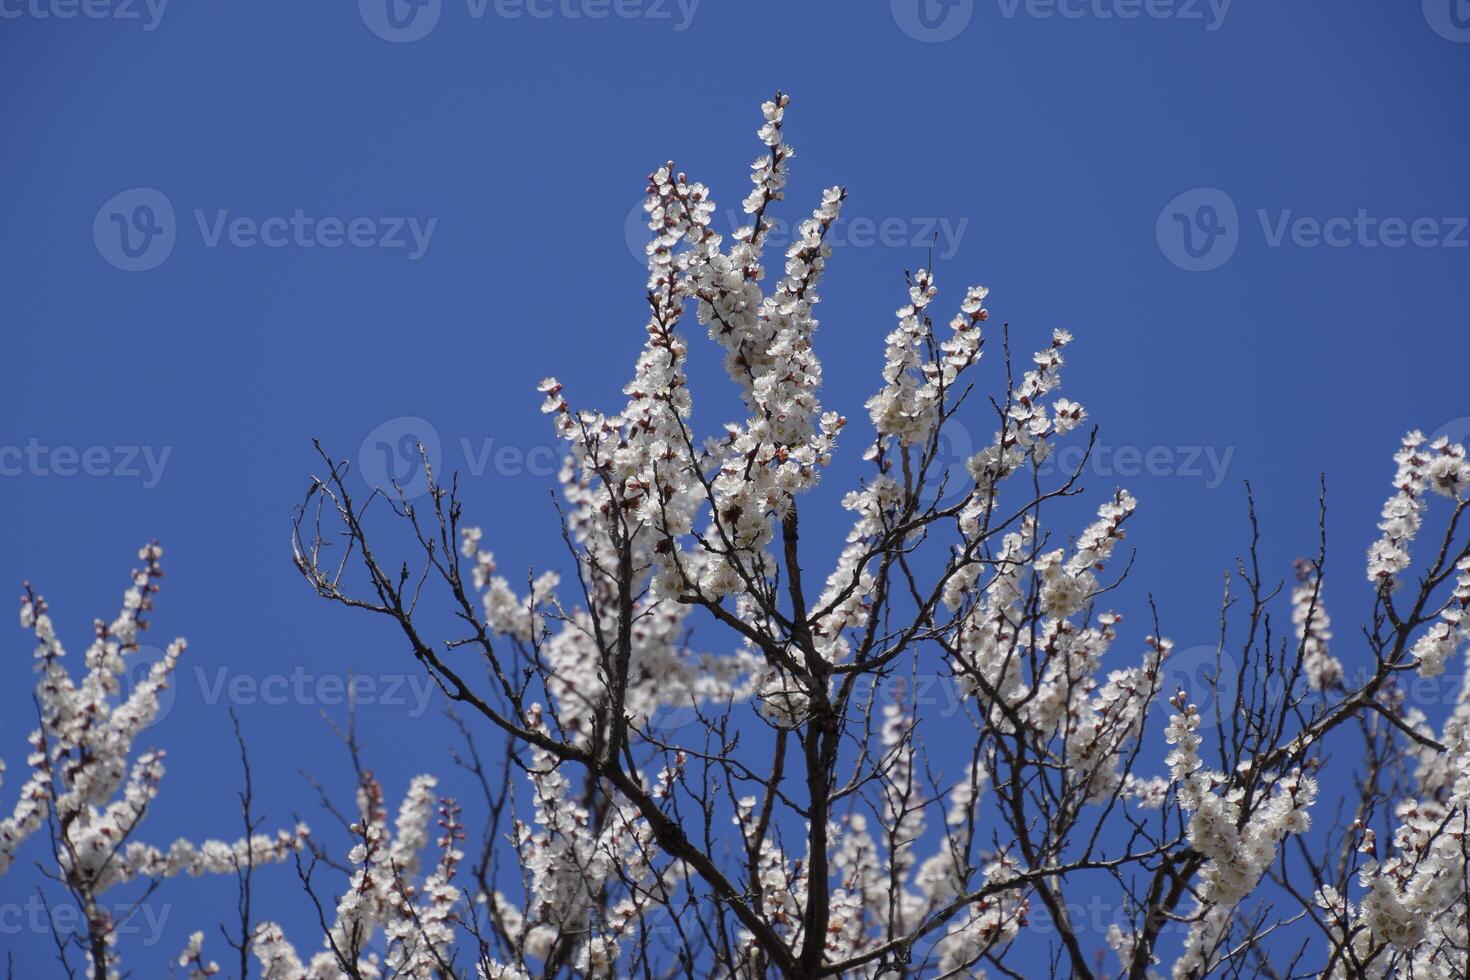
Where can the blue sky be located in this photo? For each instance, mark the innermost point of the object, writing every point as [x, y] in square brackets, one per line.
[361, 227]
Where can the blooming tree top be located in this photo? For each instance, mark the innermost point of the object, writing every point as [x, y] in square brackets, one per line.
[768, 802]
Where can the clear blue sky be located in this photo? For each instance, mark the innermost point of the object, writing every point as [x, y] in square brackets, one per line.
[1140, 180]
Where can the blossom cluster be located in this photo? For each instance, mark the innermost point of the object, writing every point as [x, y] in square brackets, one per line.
[1441, 467]
[84, 778]
[1238, 833]
[1313, 628]
[1407, 915]
[418, 921]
